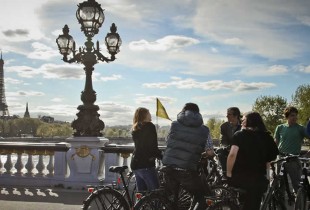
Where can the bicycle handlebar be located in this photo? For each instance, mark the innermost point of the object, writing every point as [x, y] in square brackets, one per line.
[285, 158]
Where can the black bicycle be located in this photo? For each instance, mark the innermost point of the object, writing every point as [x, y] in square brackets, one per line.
[164, 198]
[107, 197]
[274, 198]
[303, 192]
[213, 171]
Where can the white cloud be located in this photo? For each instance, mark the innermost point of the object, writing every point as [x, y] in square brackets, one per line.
[14, 81]
[111, 78]
[24, 93]
[236, 85]
[259, 26]
[304, 69]
[163, 44]
[49, 71]
[42, 52]
[56, 99]
[263, 71]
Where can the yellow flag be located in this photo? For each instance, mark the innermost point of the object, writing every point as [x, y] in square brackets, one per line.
[161, 111]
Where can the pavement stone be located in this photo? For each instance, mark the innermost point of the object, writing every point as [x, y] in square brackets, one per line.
[38, 198]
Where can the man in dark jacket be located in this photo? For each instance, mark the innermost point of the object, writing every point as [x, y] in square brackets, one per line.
[228, 129]
[187, 139]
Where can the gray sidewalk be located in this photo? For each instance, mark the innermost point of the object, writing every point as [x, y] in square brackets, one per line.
[26, 198]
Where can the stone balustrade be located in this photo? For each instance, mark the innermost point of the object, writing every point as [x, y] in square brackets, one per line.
[69, 163]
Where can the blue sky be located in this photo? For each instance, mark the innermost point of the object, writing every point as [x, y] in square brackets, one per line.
[214, 53]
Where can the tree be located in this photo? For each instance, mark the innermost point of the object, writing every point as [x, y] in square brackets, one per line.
[271, 109]
[214, 126]
[301, 100]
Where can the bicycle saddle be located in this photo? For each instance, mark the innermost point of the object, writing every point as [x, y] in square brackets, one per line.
[118, 169]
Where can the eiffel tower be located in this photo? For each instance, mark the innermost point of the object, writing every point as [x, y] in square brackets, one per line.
[4, 112]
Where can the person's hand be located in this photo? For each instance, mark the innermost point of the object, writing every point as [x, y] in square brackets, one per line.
[226, 180]
[209, 153]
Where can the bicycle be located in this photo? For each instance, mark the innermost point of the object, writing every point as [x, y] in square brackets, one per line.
[303, 192]
[165, 199]
[229, 201]
[213, 171]
[106, 197]
[274, 198]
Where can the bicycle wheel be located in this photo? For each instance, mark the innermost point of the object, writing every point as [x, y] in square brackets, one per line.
[301, 199]
[105, 199]
[221, 205]
[153, 201]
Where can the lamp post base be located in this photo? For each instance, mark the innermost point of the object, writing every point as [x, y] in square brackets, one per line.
[88, 122]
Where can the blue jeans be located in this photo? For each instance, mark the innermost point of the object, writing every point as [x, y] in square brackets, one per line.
[146, 179]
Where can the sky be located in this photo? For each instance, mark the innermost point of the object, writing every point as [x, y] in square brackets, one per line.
[216, 54]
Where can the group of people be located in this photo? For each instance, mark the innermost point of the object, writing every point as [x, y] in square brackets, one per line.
[246, 149]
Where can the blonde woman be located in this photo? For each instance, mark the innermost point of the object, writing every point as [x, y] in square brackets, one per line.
[146, 150]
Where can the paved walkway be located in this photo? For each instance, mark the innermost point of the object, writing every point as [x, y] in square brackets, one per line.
[22, 198]
[26, 198]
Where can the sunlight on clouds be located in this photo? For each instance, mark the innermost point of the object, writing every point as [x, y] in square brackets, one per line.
[50, 71]
[42, 52]
[233, 41]
[264, 71]
[236, 85]
[24, 93]
[12, 81]
[56, 110]
[143, 99]
[56, 99]
[164, 44]
[21, 21]
[64, 71]
[252, 24]
[304, 69]
[23, 71]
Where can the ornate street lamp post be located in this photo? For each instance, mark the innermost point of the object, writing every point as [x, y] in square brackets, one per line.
[91, 17]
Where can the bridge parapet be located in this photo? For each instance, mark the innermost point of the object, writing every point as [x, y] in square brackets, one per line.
[70, 163]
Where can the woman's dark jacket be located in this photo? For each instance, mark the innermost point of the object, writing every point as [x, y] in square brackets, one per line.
[146, 147]
[186, 141]
[256, 148]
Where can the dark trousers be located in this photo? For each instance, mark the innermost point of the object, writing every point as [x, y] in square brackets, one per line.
[222, 155]
[191, 182]
[254, 190]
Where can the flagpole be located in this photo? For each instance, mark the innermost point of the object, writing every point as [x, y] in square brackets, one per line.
[156, 124]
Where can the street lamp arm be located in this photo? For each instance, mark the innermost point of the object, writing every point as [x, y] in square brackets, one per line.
[76, 58]
[103, 58]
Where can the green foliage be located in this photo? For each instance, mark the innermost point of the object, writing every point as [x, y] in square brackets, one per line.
[214, 126]
[271, 109]
[54, 129]
[31, 126]
[301, 100]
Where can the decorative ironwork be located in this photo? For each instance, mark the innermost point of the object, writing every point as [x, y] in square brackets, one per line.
[91, 17]
[3, 105]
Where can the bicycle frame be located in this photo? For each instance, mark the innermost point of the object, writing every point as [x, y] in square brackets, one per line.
[304, 177]
[124, 193]
[274, 195]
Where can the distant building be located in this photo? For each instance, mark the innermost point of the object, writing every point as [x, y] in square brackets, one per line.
[27, 115]
[47, 119]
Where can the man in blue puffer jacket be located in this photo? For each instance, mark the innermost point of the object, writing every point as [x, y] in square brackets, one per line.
[187, 139]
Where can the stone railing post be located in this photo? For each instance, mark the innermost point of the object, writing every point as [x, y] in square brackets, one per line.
[85, 160]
